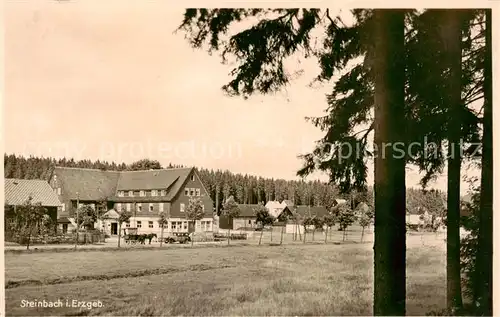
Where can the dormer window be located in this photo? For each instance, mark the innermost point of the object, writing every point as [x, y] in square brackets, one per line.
[141, 193]
[163, 192]
[130, 193]
[154, 192]
[121, 193]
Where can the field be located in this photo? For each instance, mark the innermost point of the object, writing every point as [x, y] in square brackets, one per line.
[292, 279]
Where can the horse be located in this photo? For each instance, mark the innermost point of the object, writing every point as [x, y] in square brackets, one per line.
[149, 237]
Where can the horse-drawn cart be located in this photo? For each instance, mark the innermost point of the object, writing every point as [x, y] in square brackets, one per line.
[131, 237]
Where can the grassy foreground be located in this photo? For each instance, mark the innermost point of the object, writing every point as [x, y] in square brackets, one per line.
[311, 279]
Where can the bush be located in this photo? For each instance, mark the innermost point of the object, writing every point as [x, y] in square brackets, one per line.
[238, 236]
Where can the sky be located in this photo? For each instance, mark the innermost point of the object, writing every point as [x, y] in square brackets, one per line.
[103, 80]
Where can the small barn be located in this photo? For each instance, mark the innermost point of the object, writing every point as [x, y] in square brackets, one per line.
[18, 191]
[245, 220]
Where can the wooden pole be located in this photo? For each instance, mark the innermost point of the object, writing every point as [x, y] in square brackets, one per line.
[77, 203]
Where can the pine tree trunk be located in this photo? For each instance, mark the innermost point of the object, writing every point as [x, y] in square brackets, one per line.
[326, 234]
[314, 230]
[484, 285]
[271, 234]
[304, 234]
[362, 233]
[228, 236]
[281, 239]
[261, 233]
[452, 37]
[389, 185]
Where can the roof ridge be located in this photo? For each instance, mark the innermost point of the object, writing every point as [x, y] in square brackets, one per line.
[100, 170]
[85, 169]
[159, 169]
[25, 179]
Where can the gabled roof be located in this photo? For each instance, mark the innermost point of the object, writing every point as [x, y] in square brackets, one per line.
[318, 211]
[274, 204]
[17, 192]
[111, 214]
[152, 179]
[247, 210]
[287, 203]
[94, 184]
[90, 184]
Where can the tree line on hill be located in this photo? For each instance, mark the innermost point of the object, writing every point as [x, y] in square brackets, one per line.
[246, 189]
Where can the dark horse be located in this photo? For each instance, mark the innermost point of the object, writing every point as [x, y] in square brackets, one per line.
[149, 237]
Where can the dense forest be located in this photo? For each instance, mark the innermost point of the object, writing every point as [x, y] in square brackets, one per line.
[244, 188]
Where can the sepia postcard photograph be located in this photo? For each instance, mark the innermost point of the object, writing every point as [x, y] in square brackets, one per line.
[308, 159]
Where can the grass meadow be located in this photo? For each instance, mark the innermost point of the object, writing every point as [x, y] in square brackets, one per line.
[243, 279]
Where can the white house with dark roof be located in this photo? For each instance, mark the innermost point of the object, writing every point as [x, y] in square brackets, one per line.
[142, 193]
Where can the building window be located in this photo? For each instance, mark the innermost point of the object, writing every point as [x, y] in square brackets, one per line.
[186, 191]
[153, 192]
[192, 177]
[130, 193]
[160, 205]
[59, 190]
[63, 207]
[185, 225]
[249, 222]
[139, 224]
[141, 193]
[182, 207]
[163, 192]
[174, 225]
[198, 224]
[191, 191]
[209, 226]
[151, 208]
[118, 207]
[127, 224]
[138, 207]
[120, 193]
[203, 208]
[150, 224]
[198, 192]
[128, 206]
